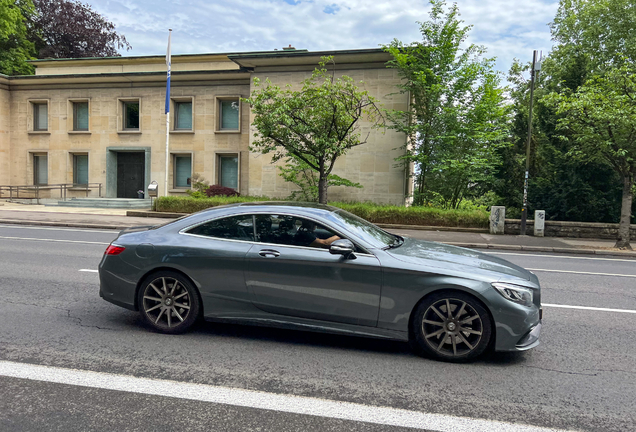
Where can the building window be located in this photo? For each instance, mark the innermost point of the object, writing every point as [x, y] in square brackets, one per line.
[182, 171]
[80, 169]
[40, 169]
[183, 115]
[229, 114]
[80, 116]
[131, 115]
[228, 171]
[40, 116]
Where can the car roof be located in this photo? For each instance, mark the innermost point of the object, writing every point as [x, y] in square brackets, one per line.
[273, 206]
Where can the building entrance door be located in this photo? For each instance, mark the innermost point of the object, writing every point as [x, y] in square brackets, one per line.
[130, 173]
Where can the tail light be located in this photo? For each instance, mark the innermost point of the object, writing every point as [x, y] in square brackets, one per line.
[114, 250]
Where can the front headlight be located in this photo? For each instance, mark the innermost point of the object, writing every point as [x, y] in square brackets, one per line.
[514, 293]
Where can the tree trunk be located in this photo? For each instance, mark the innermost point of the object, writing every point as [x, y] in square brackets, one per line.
[626, 213]
[322, 189]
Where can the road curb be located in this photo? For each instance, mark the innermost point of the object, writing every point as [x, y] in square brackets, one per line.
[64, 224]
[521, 248]
[154, 214]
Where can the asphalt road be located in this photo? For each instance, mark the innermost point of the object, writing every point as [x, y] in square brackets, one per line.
[581, 377]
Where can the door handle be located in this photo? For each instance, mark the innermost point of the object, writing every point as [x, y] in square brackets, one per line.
[269, 253]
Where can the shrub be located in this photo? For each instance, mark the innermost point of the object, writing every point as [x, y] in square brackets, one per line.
[174, 204]
[374, 213]
[218, 190]
[417, 215]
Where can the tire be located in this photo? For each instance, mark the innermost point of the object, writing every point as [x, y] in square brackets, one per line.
[168, 302]
[460, 336]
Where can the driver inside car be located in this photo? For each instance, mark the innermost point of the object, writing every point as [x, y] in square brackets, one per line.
[306, 236]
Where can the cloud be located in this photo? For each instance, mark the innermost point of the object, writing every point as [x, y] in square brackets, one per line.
[508, 29]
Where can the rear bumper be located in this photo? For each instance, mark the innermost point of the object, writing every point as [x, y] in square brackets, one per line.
[117, 290]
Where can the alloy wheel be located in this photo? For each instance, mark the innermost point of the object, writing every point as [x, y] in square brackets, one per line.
[166, 302]
[452, 327]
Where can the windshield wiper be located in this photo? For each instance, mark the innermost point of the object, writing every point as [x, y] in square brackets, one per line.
[396, 243]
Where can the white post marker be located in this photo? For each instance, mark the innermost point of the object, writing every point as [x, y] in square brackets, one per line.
[539, 223]
[497, 219]
[168, 62]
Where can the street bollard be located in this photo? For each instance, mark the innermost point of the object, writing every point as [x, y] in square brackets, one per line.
[539, 223]
[497, 219]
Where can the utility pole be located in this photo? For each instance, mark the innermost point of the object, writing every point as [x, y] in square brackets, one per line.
[536, 68]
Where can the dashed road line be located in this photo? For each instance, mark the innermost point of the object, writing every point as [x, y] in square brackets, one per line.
[561, 256]
[629, 311]
[582, 273]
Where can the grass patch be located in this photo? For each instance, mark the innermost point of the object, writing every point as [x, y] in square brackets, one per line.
[376, 213]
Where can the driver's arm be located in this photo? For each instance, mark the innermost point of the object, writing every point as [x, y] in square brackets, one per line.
[324, 243]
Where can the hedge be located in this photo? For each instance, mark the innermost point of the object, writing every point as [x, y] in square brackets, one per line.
[375, 213]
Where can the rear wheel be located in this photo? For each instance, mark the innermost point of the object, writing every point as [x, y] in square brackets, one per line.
[168, 302]
[451, 326]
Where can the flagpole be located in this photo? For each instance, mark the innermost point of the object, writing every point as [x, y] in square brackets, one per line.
[168, 61]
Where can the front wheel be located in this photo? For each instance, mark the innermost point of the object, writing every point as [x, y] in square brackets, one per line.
[168, 302]
[450, 326]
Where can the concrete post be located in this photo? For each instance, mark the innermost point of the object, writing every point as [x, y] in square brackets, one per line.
[497, 219]
[539, 223]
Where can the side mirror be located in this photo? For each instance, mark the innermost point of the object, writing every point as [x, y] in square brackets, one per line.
[342, 247]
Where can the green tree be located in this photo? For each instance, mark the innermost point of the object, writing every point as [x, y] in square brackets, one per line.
[302, 175]
[457, 116]
[315, 125]
[15, 47]
[600, 121]
[604, 31]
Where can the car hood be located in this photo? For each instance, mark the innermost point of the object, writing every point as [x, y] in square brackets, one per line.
[450, 257]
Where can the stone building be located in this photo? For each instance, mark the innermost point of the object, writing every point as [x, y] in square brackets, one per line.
[101, 122]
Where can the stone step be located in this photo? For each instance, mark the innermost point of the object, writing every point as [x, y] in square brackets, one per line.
[125, 203]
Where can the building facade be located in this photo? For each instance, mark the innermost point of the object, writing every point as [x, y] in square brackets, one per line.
[101, 121]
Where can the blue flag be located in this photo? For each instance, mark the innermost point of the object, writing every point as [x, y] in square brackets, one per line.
[168, 61]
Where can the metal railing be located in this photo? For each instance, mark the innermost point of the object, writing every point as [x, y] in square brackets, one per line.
[33, 191]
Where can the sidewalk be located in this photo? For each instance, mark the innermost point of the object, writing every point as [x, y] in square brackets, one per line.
[117, 219]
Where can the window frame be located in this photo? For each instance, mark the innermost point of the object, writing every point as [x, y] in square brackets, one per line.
[218, 101]
[359, 249]
[72, 115]
[121, 115]
[217, 166]
[174, 157]
[34, 156]
[174, 102]
[74, 159]
[32, 123]
[185, 230]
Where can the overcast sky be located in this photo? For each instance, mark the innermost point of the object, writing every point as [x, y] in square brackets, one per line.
[508, 28]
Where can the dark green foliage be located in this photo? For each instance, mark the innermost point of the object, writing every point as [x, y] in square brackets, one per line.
[15, 46]
[477, 218]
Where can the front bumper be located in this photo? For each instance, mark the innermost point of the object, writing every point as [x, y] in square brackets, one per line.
[530, 340]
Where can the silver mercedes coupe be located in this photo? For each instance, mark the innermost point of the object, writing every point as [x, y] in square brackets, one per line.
[319, 268]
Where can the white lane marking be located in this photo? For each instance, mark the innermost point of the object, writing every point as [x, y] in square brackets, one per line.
[60, 229]
[260, 400]
[582, 273]
[53, 240]
[88, 270]
[561, 256]
[589, 308]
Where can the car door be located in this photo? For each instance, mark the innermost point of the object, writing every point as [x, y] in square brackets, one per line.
[215, 257]
[288, 278]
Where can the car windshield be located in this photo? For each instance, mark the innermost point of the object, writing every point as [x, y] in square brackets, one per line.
[366, 230]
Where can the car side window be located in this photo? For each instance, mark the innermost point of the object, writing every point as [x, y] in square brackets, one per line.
[233, 228]
[290, 230]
